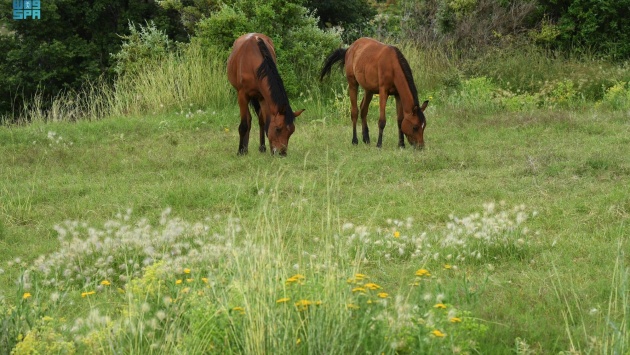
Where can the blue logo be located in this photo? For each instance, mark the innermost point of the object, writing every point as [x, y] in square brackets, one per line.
[24, 9]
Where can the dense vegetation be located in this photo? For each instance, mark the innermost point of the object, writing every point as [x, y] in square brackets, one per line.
[129, 225]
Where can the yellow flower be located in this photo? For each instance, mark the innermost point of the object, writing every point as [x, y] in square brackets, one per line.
[177, 282]
[85, 294]
[352, 306]
[105, 283]
[303, 303]
[199, 293]
[447, 266]
[423, 272]
[295, 278]
[383, 294]
[456, 320]
[189, 280]
[120, 290]
[438, 334]
[318, 303]
[283, 300]
[186, 290]
[440, 305]
[227, 129]
[372, 286]
[241, 310]
[298, 341]
[186, 271]
[430, 97]
[360, 276]
[26, 295]
[396, 234]
[358, 289]
[204, 279]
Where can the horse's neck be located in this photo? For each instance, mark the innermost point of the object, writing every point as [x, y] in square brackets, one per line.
[404, 92]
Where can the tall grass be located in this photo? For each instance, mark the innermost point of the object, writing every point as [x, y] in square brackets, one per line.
[191, 77]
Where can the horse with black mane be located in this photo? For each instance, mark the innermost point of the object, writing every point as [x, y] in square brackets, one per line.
[380, 69]
[252, 71]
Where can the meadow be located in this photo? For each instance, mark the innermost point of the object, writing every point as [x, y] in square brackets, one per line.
[144, 232]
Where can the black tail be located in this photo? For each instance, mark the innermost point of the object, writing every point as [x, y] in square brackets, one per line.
[338, 55]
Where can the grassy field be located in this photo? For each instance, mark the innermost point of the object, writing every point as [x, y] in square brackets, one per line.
[521, 220]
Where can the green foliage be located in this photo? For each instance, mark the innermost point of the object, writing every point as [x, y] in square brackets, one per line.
[300, 44]
[599, 27]
[68, 47]
[353, 16]
[617, 96]
[145, 45]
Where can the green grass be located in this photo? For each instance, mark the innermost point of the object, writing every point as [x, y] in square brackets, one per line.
[571, 167]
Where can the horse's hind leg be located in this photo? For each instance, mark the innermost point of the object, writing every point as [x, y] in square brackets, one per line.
[246, 124]
[365, 105]
[261, 123]
[353, 87]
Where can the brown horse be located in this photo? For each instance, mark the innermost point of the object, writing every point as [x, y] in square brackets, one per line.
[383, 70]
[252, 71]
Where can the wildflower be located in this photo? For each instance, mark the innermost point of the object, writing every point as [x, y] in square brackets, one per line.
[186, 290]
[303, 304]
[177, 282]
[360, 276]
[85, 294]
[372, 286]
[295, 278]
[204, 279]
[352, 306]
[186, 271]
[455, 320]
[120, 290]
[440, 306]
[383, 294]
[423, 272]
[438, 334]
[283, 300]
[318, 303]
[26, 295]
[227, 129]
[396, 234]
[447, 266]
[189, 280]
[358, 289]
[105, 283]
[241, 310]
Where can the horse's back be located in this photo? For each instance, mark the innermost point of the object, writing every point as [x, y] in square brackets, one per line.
[245, 59]
[369, 61]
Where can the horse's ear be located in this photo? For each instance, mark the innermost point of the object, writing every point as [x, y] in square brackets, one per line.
[424, 105]
[297, 113]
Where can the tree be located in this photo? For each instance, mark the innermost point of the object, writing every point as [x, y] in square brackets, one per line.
[352, 15]
[70, 45]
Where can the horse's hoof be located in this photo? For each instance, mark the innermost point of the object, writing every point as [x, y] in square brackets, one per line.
[242, 152]
[262, 149]
[401, 146]
[355, 141]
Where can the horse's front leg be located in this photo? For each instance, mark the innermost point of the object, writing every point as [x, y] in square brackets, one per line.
[353, 87]
[365, 105]
[382, 119]
[246, 124]
[400, 116]
[259, 106]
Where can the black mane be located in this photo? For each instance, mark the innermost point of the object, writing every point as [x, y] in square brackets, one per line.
[278, 94]
[407, 71]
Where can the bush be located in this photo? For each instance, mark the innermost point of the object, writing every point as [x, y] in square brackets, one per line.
[300, 45]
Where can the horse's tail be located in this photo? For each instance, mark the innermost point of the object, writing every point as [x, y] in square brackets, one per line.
[339, 55]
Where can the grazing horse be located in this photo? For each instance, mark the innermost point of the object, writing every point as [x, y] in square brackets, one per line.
[380, 69]
[252, 71]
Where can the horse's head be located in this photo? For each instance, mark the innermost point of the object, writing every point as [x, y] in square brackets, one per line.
[413, 125]
[279, 132]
